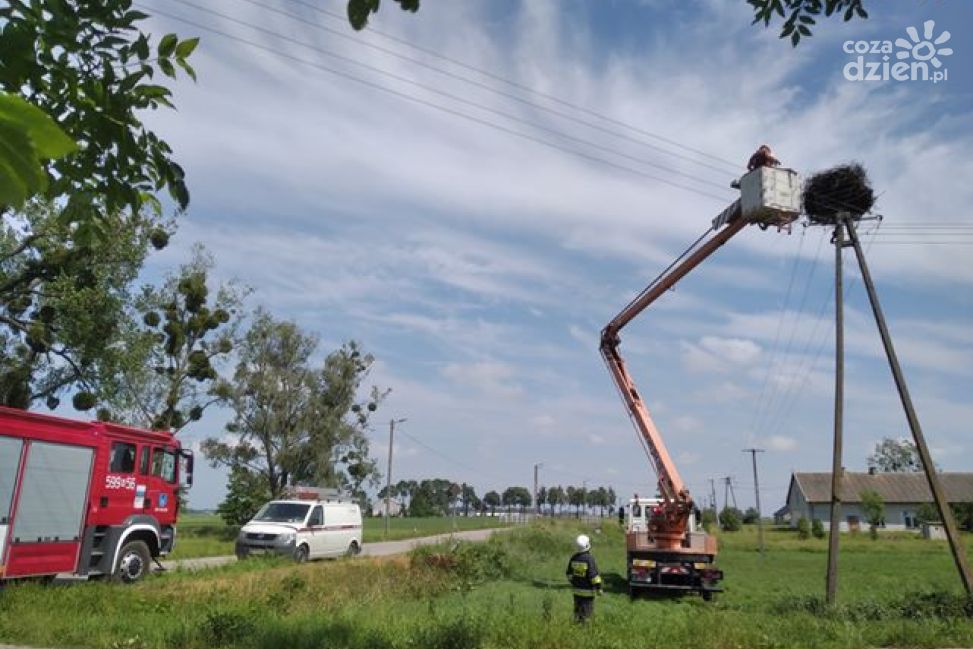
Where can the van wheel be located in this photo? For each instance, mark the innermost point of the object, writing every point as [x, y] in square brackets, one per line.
[133, 562]
[353, 549]
[301, 554]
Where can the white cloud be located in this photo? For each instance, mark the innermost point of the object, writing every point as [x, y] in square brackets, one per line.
[491, 378]
[781, 443]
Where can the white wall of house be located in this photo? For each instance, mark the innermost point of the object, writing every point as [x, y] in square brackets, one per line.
[898, 516]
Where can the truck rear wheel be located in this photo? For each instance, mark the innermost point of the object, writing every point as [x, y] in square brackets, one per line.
[133, 562]
[353, 549]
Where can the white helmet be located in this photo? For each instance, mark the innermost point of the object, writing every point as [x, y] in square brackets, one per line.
[583, 542]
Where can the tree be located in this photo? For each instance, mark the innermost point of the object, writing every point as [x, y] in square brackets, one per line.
[492, 500]
[927, 513]
[541, 499]
[169, 377]
[517, 497]
[294, 423]
[469, 498]
[246, 492]
[731, 520]
[89, 66]
[708, 519]
[895, 456]
[796, 26]
[63, 302]
[874, 509]
[556, 497]
[751, 516]
[803, 528]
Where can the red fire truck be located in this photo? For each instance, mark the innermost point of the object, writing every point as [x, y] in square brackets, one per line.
[91, 499]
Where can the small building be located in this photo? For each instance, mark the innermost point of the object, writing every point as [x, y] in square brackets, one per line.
[395, 507]
[809, 496]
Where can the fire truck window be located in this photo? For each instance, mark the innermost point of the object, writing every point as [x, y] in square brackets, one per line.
[144, 460]
[317, 517]
[164, 465]
[122, 458]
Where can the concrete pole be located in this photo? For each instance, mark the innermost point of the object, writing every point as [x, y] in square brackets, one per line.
[955, 545]
[756, 492]
[388, 475]
[839, 395]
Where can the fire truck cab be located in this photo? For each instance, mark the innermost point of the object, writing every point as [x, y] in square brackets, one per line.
[89, 499]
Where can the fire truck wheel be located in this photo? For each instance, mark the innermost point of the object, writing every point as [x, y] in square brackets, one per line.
[133, 562]
[353, 549]
[300, 554]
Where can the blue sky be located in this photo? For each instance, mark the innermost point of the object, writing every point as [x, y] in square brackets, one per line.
[479, 266]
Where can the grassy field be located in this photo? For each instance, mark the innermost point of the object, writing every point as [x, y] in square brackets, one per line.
[205, 535]
[510, 592]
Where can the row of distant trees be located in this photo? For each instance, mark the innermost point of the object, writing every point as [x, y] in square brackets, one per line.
[439, 497]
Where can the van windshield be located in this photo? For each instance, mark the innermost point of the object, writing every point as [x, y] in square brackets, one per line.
[282, 513]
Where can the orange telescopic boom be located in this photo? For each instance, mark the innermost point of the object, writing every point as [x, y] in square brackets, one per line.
[769, 197]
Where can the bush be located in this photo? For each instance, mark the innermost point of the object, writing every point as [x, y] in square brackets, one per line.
[731, 520]
[817, 529]
[803, 528]
[708, 519]
[751, 516]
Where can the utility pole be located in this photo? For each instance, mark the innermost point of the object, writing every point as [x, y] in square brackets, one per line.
[837, 472]
[712, 491]
[728, 493]
[756, 493]
[537, 503]
[935, 486]
[388, 475]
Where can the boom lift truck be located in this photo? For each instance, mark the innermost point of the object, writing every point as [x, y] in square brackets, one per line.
[664, 554]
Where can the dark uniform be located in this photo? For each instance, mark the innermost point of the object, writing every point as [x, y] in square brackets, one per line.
[586, 580]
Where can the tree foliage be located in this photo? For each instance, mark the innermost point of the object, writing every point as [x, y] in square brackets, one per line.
[874, 509]
[731, 519]
[803, 528]
[246, 492]
[492, 500]
[63, 301]
[895, 456]
[295, 423]
[90, 67]
[801, 15]
[817, 528]
[181, 332]
[28, 136]
[518, 497]
[360, 10]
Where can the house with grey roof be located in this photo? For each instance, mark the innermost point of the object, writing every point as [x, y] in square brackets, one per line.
[809, 496]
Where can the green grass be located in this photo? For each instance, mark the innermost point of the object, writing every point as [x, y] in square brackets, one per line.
[206, 535]
[510, 592]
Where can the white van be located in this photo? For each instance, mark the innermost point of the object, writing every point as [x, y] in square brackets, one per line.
[303, 529]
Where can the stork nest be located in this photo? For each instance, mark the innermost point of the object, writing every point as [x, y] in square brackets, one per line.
[840, 190]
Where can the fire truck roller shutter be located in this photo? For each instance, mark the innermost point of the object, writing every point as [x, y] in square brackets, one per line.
[49, 509]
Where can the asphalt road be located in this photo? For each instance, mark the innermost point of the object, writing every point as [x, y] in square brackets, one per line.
[385, 549]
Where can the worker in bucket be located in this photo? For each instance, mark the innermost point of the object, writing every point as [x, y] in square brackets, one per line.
[585, 579]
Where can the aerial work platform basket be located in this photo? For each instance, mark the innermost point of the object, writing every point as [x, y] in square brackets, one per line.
[771, 196]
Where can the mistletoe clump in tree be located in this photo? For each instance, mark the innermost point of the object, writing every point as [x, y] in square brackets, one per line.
[180, 333]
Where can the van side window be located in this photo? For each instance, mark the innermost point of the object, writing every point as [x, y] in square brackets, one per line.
[144, 460]
[317, 517]
[122, 458]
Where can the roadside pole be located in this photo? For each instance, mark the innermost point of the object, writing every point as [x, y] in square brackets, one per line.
[388, 475]
[756, 492]
[839, 395]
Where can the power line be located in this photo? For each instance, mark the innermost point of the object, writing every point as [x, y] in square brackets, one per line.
[519, 86]
[483, 86]
[433, 105]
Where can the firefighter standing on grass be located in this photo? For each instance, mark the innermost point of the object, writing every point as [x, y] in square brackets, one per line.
[585, 579]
